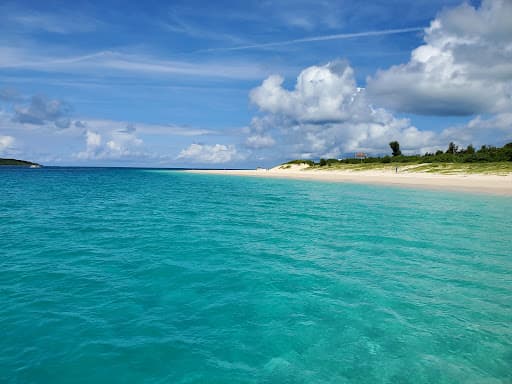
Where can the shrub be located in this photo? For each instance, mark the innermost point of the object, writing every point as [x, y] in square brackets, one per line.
[308, 162]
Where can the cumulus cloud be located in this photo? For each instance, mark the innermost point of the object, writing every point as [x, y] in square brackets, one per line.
[33, 121]
[464, 67]
[6, 143]
[92, 139]
[493, 130]
[326, 115]
[41, 111]
[209, 154]
[322, 94]
[117, 145]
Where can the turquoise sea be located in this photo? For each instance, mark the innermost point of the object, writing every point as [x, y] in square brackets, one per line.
[147, 276]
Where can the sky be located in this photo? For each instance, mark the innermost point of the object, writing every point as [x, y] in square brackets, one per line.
[232, 84]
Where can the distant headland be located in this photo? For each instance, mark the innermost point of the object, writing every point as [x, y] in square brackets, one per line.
[19, 163]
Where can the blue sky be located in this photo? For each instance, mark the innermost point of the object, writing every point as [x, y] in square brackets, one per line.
[197, 83]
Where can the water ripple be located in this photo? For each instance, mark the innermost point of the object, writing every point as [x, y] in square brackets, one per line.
[156, 276]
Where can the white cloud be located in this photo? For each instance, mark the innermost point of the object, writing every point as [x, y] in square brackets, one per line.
[6, 143]
[326, 115]
[464, 67]
[211, 154]
[321, 94]
[494, 130]
[93, 139]
[118, 145]
[93, 146]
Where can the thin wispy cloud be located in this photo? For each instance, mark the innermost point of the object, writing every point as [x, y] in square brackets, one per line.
[62, 22]
[177, 24]
[339, 36]
[111, 62]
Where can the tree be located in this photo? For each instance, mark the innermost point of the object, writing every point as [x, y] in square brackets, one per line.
[470, 150]
[452, 148]
[395, 147]
[507, 151]
[323, 162]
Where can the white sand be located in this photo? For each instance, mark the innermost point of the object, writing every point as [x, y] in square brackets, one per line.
[494, 184]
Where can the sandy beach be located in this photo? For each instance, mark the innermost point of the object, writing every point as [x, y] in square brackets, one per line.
[478, 183]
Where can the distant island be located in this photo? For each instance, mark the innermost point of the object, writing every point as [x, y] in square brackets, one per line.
[19, 163]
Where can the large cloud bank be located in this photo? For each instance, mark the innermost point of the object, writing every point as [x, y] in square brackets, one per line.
[464, 67]
[326, 114]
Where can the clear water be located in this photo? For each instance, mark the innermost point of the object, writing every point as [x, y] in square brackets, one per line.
[117, 276]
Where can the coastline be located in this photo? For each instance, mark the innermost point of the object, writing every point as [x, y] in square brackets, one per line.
[478, 183]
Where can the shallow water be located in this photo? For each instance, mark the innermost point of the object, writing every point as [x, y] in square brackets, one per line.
[124, 275]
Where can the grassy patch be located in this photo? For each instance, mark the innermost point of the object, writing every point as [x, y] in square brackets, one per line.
[496, 168]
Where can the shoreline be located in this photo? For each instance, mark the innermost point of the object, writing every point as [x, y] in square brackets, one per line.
[479, 183]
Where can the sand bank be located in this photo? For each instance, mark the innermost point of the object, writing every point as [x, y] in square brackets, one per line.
[494, 184]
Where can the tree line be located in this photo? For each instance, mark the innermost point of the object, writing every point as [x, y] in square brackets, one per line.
[453, 154]
[16, 162]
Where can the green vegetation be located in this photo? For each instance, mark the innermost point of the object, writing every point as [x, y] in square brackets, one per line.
[311, 163]
[497, 168]
[487, 159]
[395, 147]
[15, 162]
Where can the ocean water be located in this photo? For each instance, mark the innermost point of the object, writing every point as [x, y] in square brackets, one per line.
[144, 276]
